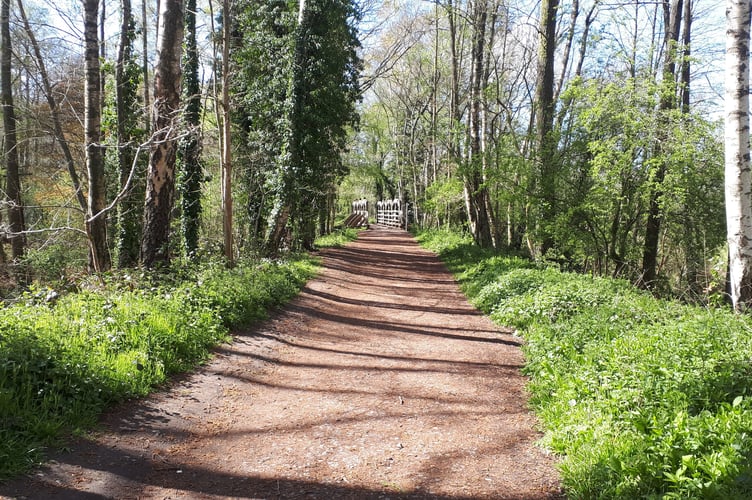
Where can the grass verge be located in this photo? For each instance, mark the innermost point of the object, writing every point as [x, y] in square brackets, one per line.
[641, 398]
[337, 238]
[65, 359]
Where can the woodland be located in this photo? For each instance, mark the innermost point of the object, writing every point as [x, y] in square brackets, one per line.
[149, 148]
[584, 134]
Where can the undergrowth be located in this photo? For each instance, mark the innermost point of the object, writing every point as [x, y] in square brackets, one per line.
[337, 238]
[640, 397]
[63, 359]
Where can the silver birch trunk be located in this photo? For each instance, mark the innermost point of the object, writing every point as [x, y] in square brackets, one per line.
[737, 161]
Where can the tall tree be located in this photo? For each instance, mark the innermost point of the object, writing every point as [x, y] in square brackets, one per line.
[160, 183]
[320, 106]
[10, 142]
[96, 217]
[130, 208]
[737, 155]
[226, 136]
[260, 58]
[290, 159]
[545, 157]
[668, 101]
[476, 191]
[189, 152]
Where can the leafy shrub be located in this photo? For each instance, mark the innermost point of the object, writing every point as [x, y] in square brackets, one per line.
[513, 283]
[55, 263]
[642, 398]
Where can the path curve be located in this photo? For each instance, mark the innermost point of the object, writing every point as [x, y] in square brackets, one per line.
[378, 381]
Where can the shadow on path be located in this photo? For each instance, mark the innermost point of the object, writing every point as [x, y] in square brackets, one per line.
[379, 381]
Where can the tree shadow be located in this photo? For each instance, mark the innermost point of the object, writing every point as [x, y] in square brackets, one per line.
[118, 471]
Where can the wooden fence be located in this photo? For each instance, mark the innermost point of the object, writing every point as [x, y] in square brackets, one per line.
[389, 213]
[358, 215]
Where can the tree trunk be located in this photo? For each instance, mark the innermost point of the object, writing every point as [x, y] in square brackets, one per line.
[160, 182]
[454, 104]
[130, 209]
[190, 145]
[226, 133]
[96, 219]
[544, 120]
[567, 48]
[475, 190]
[10, 144]
[102, 53]
[667, 103]
[145, 63]
[737, 160]
[685, 67]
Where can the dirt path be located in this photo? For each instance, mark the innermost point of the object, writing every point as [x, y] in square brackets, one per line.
[378, 381]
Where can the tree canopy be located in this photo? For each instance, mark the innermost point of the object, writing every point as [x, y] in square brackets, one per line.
[580, 132]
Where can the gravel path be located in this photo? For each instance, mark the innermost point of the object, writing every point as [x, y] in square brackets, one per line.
[379, 381]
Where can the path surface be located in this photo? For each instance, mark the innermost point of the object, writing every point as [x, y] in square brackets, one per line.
[378, 381]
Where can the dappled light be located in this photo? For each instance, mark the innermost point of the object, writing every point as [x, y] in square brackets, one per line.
[378, 381]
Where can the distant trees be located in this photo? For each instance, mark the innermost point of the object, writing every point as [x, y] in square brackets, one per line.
[574, 124]
[569, 134]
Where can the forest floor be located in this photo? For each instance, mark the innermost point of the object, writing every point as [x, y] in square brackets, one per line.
[379, 381]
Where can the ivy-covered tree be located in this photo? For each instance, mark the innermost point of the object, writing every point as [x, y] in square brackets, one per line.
[261, 55]
[297, 97]
[189, 152]
[130, 134]
[320, 109]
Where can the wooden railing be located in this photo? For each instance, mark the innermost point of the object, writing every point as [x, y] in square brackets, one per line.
[358, 215]
[389, 213]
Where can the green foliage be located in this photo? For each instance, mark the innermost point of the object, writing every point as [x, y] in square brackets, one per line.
[337, 238]
[444, 200]
[613, 160]
[296, 101]
[62, 360]
[54, 263]
[642, 398]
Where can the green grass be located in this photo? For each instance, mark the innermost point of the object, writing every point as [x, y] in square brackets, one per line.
[62, 362]
[337, 238]
[641, 398]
